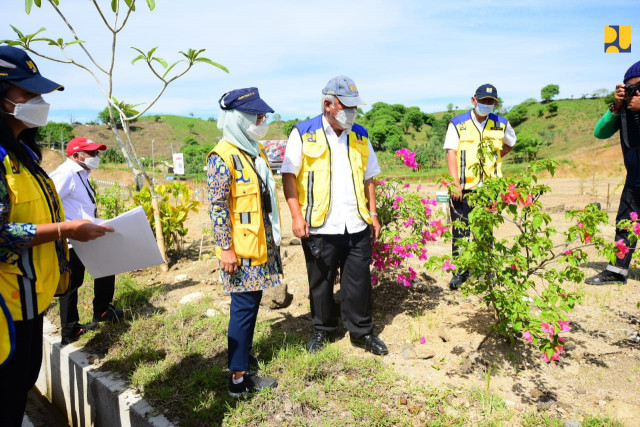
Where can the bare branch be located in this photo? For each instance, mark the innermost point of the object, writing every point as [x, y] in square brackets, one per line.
[52, 3]
[126, 18]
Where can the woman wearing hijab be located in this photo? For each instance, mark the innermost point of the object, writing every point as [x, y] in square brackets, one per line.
[33, 250]
[246, 226]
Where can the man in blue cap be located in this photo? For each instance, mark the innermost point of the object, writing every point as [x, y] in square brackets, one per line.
[462, 141]
[328, 178]
[623, 115]
[246, 226]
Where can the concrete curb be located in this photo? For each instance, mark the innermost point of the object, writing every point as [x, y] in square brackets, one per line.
[85, 395]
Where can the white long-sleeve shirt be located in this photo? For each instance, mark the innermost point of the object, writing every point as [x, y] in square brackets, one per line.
[77, 196]
[343, 210]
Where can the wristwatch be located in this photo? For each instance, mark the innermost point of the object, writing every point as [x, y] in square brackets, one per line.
[373, 213]
[614, 109]
[226, 247]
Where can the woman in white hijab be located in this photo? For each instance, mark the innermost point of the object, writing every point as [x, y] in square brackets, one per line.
[246, 226]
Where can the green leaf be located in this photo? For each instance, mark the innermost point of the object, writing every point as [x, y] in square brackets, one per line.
[537, 222]
[215, 64]
[151, 4]
[129, 3]
[74, 42]
[114, 5]
[139, 51]
[28, 4]
[150, 53]
[38, 3]
[17, 31]
[170, 68]
[137, 58]
[161, 61]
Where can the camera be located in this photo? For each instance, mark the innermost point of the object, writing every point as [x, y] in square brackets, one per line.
[630, 90]
[266, 201]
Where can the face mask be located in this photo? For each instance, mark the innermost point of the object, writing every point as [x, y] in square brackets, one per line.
[258, 132]
[92, 162]
[484, 109]
[346, 117]
[32, 113]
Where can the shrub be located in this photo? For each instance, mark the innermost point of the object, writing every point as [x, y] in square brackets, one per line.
[111, 155]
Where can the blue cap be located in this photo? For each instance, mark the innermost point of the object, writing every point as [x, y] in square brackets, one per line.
[16, 67]
[345, 89]
[247, 100]
[487, 91]
[633, 71]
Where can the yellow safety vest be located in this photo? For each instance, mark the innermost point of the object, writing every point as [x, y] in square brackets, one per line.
[467, 154]
[314, 179]
[247, 227]
[29, 285]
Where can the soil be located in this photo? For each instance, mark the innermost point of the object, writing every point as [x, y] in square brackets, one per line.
[600, 364]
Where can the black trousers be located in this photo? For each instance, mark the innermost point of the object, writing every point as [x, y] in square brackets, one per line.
[629, 202]
[352, 253]
[103, 289]
[460, 210]
[19, 375]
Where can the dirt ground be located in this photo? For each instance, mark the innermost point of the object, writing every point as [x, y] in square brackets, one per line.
[598, 373]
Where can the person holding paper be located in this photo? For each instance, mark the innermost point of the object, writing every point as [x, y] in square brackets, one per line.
[78, 198]
[246, 226]
[33, 251]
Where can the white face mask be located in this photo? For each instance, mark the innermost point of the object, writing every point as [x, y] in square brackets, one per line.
[92, 162]
[32, 113]
[258, 132]
[484, 109]
[346, 117]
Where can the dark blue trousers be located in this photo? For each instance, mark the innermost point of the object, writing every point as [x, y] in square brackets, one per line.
[629, 202]
[242, 323]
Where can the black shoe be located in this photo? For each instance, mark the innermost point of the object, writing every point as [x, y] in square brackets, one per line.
[318, 340]
[111, 314]
[456, 281]
[606, 277]
[78, 331]
[371, 343]
[250, 384]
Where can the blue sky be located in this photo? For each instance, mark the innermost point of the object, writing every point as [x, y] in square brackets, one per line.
[418, 53]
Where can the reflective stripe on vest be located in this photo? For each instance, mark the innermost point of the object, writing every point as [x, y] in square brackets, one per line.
[315, 177]
[245, 206]
[469, 168]
[28, 286]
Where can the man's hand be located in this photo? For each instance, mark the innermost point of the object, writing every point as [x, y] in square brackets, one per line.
[634, 103]
[456, 192]
[229, 261]
[375, 228]
[300, 227]
[619, 95]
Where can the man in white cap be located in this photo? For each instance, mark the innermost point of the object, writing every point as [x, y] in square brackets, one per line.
[328, 177]
[78, 198]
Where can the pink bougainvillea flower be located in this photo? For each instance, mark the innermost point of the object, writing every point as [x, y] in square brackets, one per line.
[412, 274]
[580, 225]
[397, 238]
[511, 196]
[374, 279]
[423, 255]
[568, 252]
[587, 238]
[636, 228]
[527, 336]
[447, 266]
[382, 181]
[423, 340]
[397, 201]
[527, 202]
[622, 249]
[444, 183]
[407, 185]
[408, 223]
[633, 216]
[492, 208]
[545, 327]
[419, 187]
[564, 325]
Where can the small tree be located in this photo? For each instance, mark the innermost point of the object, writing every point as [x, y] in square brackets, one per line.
[517, 114]
[450, 108]
[552, 108]
[54, 132]
[549, 91]
[104, 77]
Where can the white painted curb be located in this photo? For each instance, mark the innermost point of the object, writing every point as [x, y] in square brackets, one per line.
[85, 395]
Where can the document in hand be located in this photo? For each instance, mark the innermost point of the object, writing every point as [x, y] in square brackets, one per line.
[130, 247]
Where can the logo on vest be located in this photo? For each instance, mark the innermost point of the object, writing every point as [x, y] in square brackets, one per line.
[617, 38]
[240, 176]
[312, 136]
[463, 126]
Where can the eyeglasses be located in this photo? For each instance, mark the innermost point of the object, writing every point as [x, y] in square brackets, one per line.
[94, 153]
[262, 118]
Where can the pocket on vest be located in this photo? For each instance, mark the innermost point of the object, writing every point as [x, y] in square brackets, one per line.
[245, 199]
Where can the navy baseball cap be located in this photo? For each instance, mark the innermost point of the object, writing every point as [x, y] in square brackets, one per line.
[487, 91]
[633, 71]
[247, 100]
[17, 68]
[345, 89]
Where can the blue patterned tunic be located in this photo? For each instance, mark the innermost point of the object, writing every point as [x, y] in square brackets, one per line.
[247, 279]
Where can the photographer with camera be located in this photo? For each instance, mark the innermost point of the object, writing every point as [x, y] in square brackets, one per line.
[246, 226]
[623, 115]
[328, 178]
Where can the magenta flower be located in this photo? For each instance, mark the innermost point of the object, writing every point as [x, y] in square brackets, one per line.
[527, 336]
[545, 327]
[407, 185]
[374, 279]
[568, 252]
[512, 195]
[423, 340]
[564, 325]
[636, 228]
[447, 266]
[622, 249]
[633, 216]
[382, 181]
[580, 225]
[419, 187]
[444, 183]
[587, 238]
[408, 223]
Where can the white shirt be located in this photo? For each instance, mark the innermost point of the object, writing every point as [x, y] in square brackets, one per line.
[343, 209]
[72, 182]
[452, 139]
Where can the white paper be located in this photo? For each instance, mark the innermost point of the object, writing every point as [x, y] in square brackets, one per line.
[131, 246]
